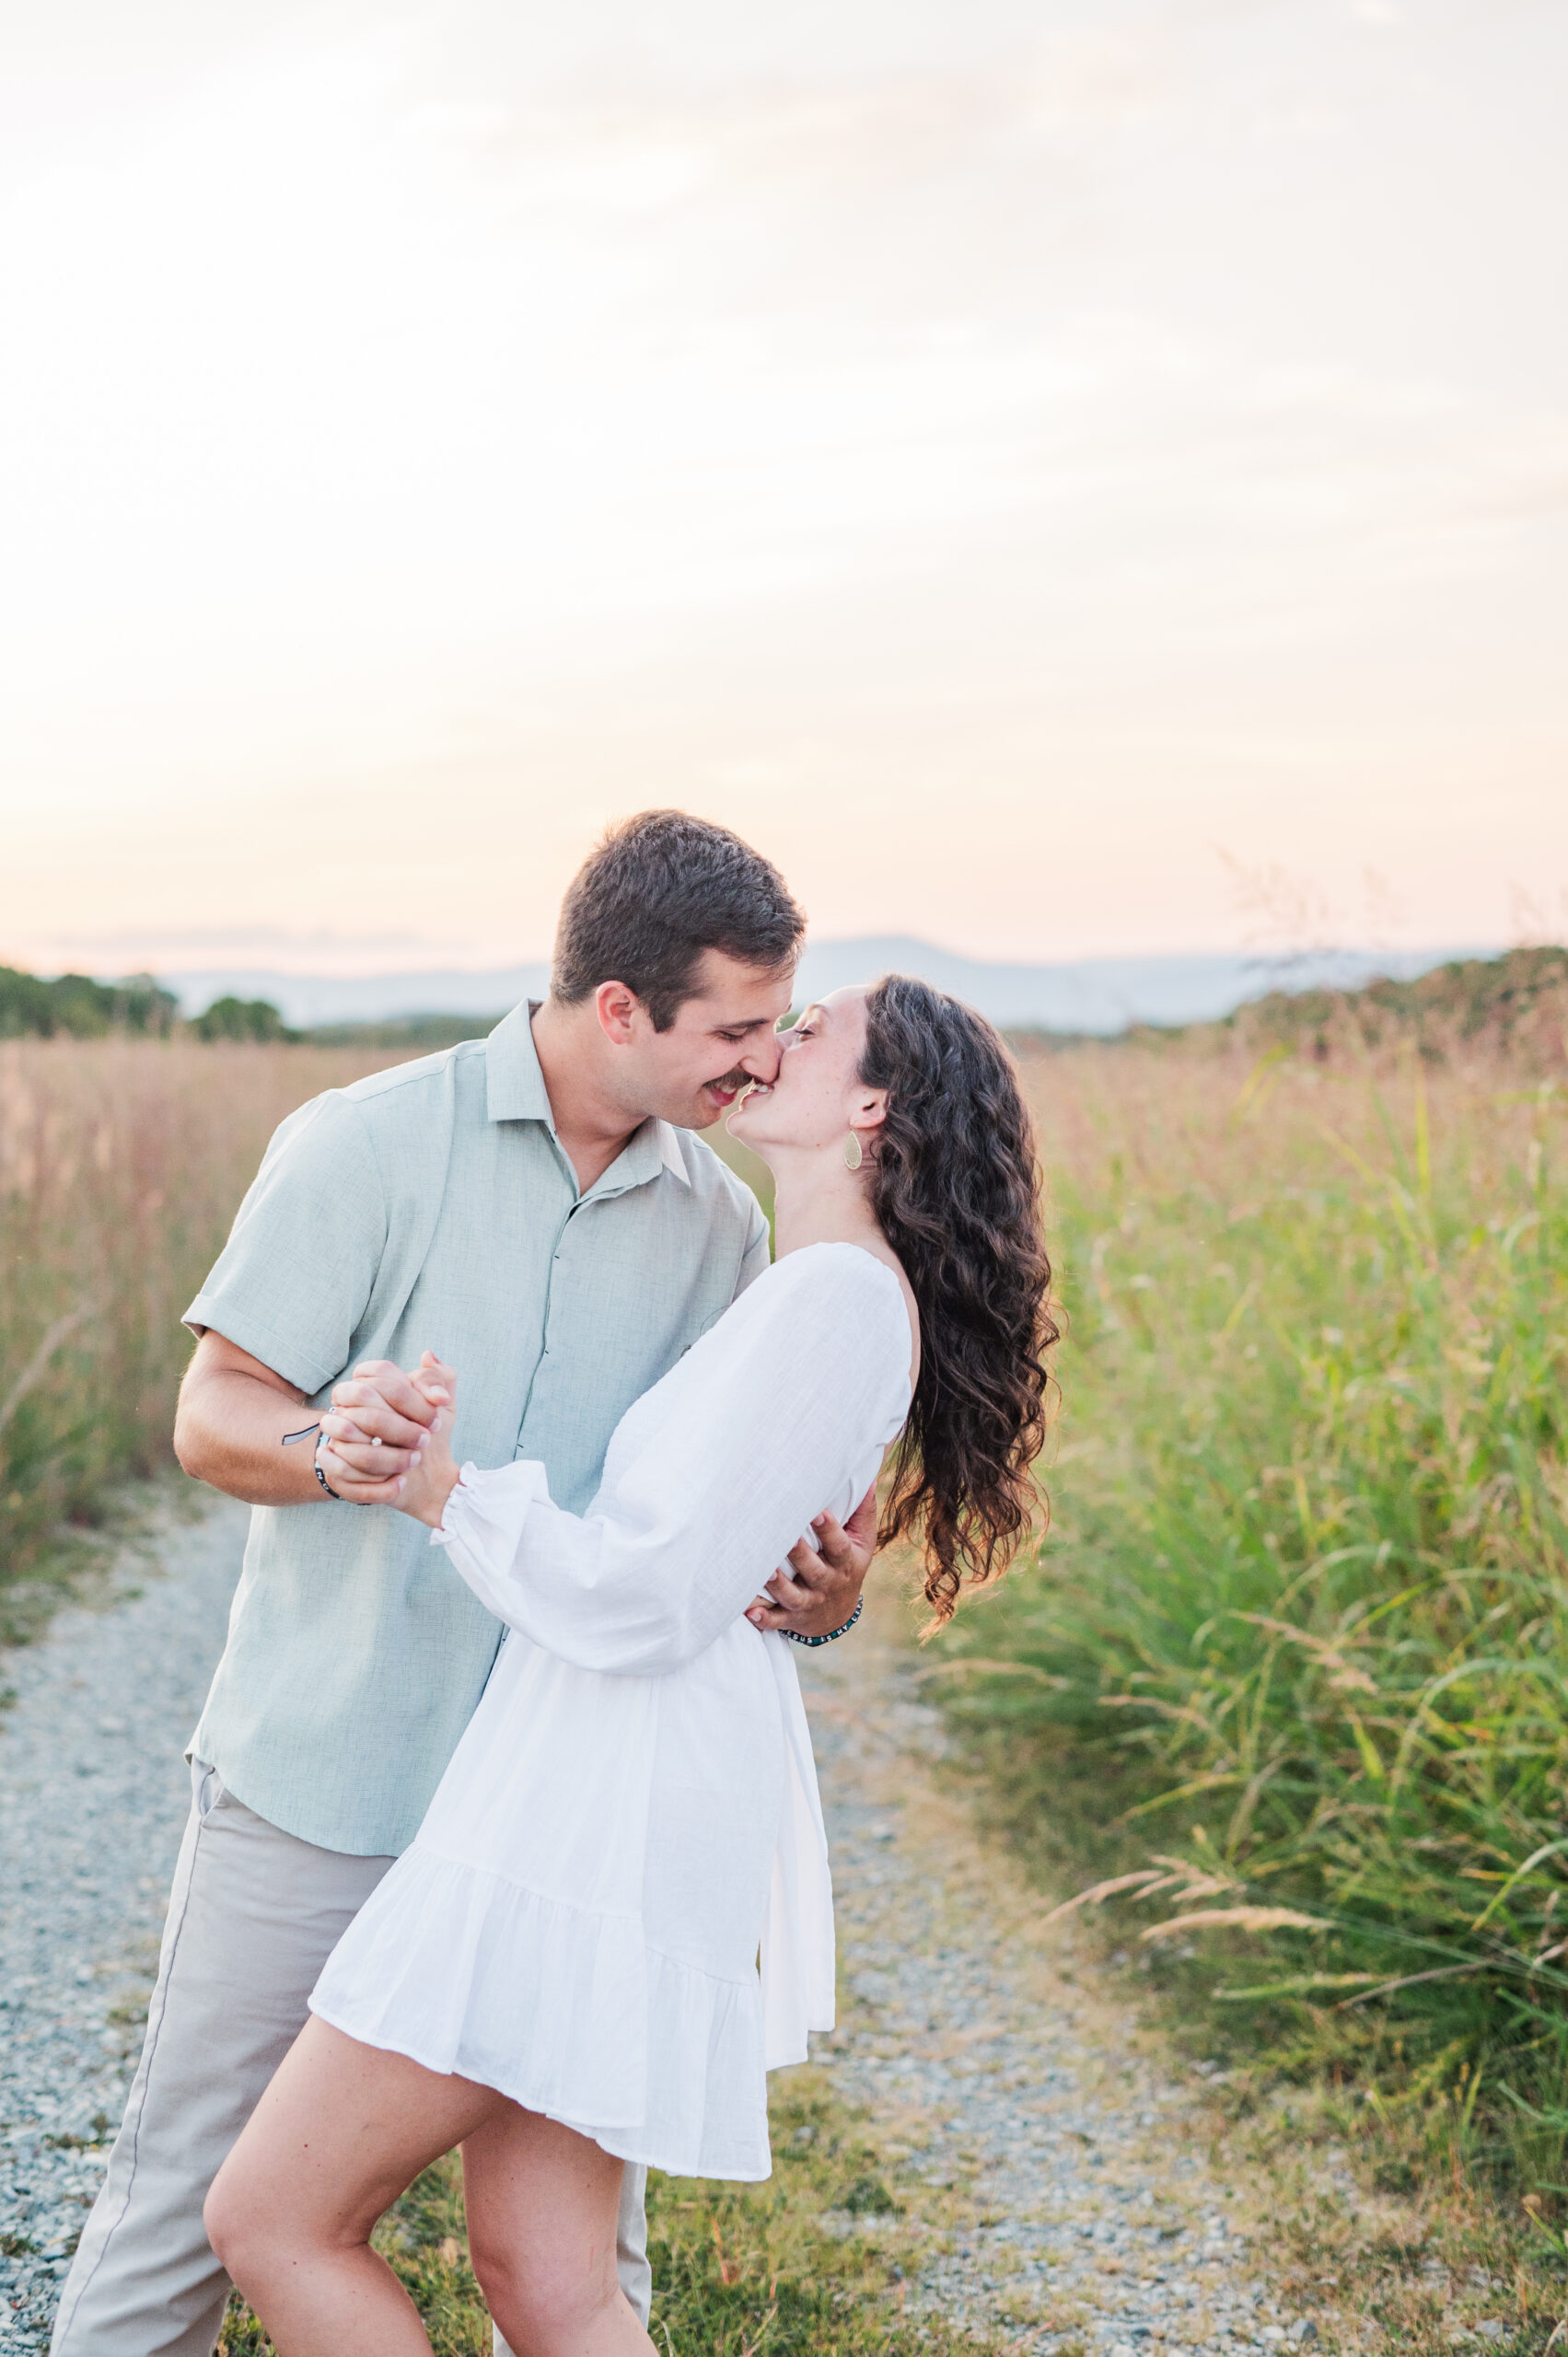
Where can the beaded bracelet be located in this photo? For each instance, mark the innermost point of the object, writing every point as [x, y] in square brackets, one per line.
[833, 1634]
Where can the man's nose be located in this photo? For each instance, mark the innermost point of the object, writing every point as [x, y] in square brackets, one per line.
[762, 1060]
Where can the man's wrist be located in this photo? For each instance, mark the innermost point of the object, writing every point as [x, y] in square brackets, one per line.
[797, 1638]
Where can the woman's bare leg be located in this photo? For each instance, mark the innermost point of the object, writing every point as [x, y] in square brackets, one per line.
[542, 2205]
[340, 2132]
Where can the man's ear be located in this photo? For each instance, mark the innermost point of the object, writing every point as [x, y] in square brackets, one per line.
[618, 1009]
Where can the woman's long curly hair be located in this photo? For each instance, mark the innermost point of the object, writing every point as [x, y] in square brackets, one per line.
[955, 1186]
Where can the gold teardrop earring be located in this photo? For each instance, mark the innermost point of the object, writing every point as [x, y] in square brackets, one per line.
[853, 1154]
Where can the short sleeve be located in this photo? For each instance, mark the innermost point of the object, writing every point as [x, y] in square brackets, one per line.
[292, 1283]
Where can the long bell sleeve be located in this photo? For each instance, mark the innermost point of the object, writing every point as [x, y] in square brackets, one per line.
[797, 1390]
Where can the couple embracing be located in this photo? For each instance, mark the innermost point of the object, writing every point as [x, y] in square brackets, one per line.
[505, 1829]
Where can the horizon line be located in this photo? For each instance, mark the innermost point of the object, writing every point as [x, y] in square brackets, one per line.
[1242, 954]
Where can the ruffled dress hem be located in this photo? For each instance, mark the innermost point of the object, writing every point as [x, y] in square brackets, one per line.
[565, 2010]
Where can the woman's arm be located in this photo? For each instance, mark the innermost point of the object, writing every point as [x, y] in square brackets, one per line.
[783, 1401]
[813, 1592]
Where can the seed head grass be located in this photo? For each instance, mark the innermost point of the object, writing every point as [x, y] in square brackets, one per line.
[122, 1162]
[1290, 1666]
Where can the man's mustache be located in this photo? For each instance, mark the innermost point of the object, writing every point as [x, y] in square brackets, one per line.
[733, 1080]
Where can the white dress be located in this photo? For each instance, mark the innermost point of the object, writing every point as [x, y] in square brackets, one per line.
[618, 1909]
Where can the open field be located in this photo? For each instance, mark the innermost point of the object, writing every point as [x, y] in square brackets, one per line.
[1295, 1652]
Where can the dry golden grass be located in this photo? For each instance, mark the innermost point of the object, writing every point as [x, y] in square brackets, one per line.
[122, 1164]
[1298, 1647]
[1301, 1629]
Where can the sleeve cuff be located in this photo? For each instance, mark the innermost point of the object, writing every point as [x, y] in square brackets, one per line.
[486, 1512]
[213, 1315]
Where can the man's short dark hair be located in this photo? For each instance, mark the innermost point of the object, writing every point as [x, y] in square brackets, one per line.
[659, 891]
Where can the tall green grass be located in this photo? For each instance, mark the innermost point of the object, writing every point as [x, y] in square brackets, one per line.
[122, 1164]
[1300, 1630]
[1299, 1641]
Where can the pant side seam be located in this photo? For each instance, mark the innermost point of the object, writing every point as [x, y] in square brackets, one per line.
[150, 2052]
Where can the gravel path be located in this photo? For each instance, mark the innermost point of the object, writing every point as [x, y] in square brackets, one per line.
[93, 1796]
[1000, 2064]
[1057, 2180]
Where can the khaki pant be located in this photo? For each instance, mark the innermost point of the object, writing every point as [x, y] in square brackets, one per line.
[252, 1917]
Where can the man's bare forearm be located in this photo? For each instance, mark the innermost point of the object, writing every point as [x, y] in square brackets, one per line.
[229, 1429]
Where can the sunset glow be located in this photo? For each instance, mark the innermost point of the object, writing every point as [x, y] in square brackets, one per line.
[1060, 478]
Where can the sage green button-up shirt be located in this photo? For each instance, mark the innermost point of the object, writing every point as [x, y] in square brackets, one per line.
[432, 1207]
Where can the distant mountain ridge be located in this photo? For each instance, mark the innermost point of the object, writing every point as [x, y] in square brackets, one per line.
[1514, 1007]
[1095, 995]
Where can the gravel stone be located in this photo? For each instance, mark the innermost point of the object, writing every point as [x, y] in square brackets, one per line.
[998, 2060]
[1000, 2056]
[93, 1797]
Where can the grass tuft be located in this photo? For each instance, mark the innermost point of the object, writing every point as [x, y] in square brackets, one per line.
[1294, 1656]
[738, 2270]
[122, 1165]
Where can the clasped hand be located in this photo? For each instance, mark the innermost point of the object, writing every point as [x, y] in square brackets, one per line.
[387, 1442]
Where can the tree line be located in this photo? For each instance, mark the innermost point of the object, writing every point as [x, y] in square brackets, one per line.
[74, 1006]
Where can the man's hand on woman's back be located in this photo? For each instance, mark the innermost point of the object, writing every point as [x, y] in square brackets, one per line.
[819, 1591]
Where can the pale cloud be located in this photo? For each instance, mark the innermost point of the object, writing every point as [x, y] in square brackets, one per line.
[992, 455]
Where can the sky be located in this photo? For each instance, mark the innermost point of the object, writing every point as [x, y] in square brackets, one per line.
[1064, 479]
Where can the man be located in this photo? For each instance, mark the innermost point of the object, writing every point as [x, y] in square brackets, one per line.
[534, 1207]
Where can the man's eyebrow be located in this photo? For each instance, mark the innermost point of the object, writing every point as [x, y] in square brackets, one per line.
[747, 1023]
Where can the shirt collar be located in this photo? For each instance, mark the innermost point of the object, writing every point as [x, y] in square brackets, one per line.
[514, 1087]
[647, 1151]
[514, 1091]
[670, 1155]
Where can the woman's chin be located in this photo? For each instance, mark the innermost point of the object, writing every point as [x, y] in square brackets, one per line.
[748, 1129]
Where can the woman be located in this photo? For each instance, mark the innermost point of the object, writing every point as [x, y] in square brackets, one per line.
[562, 1974]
